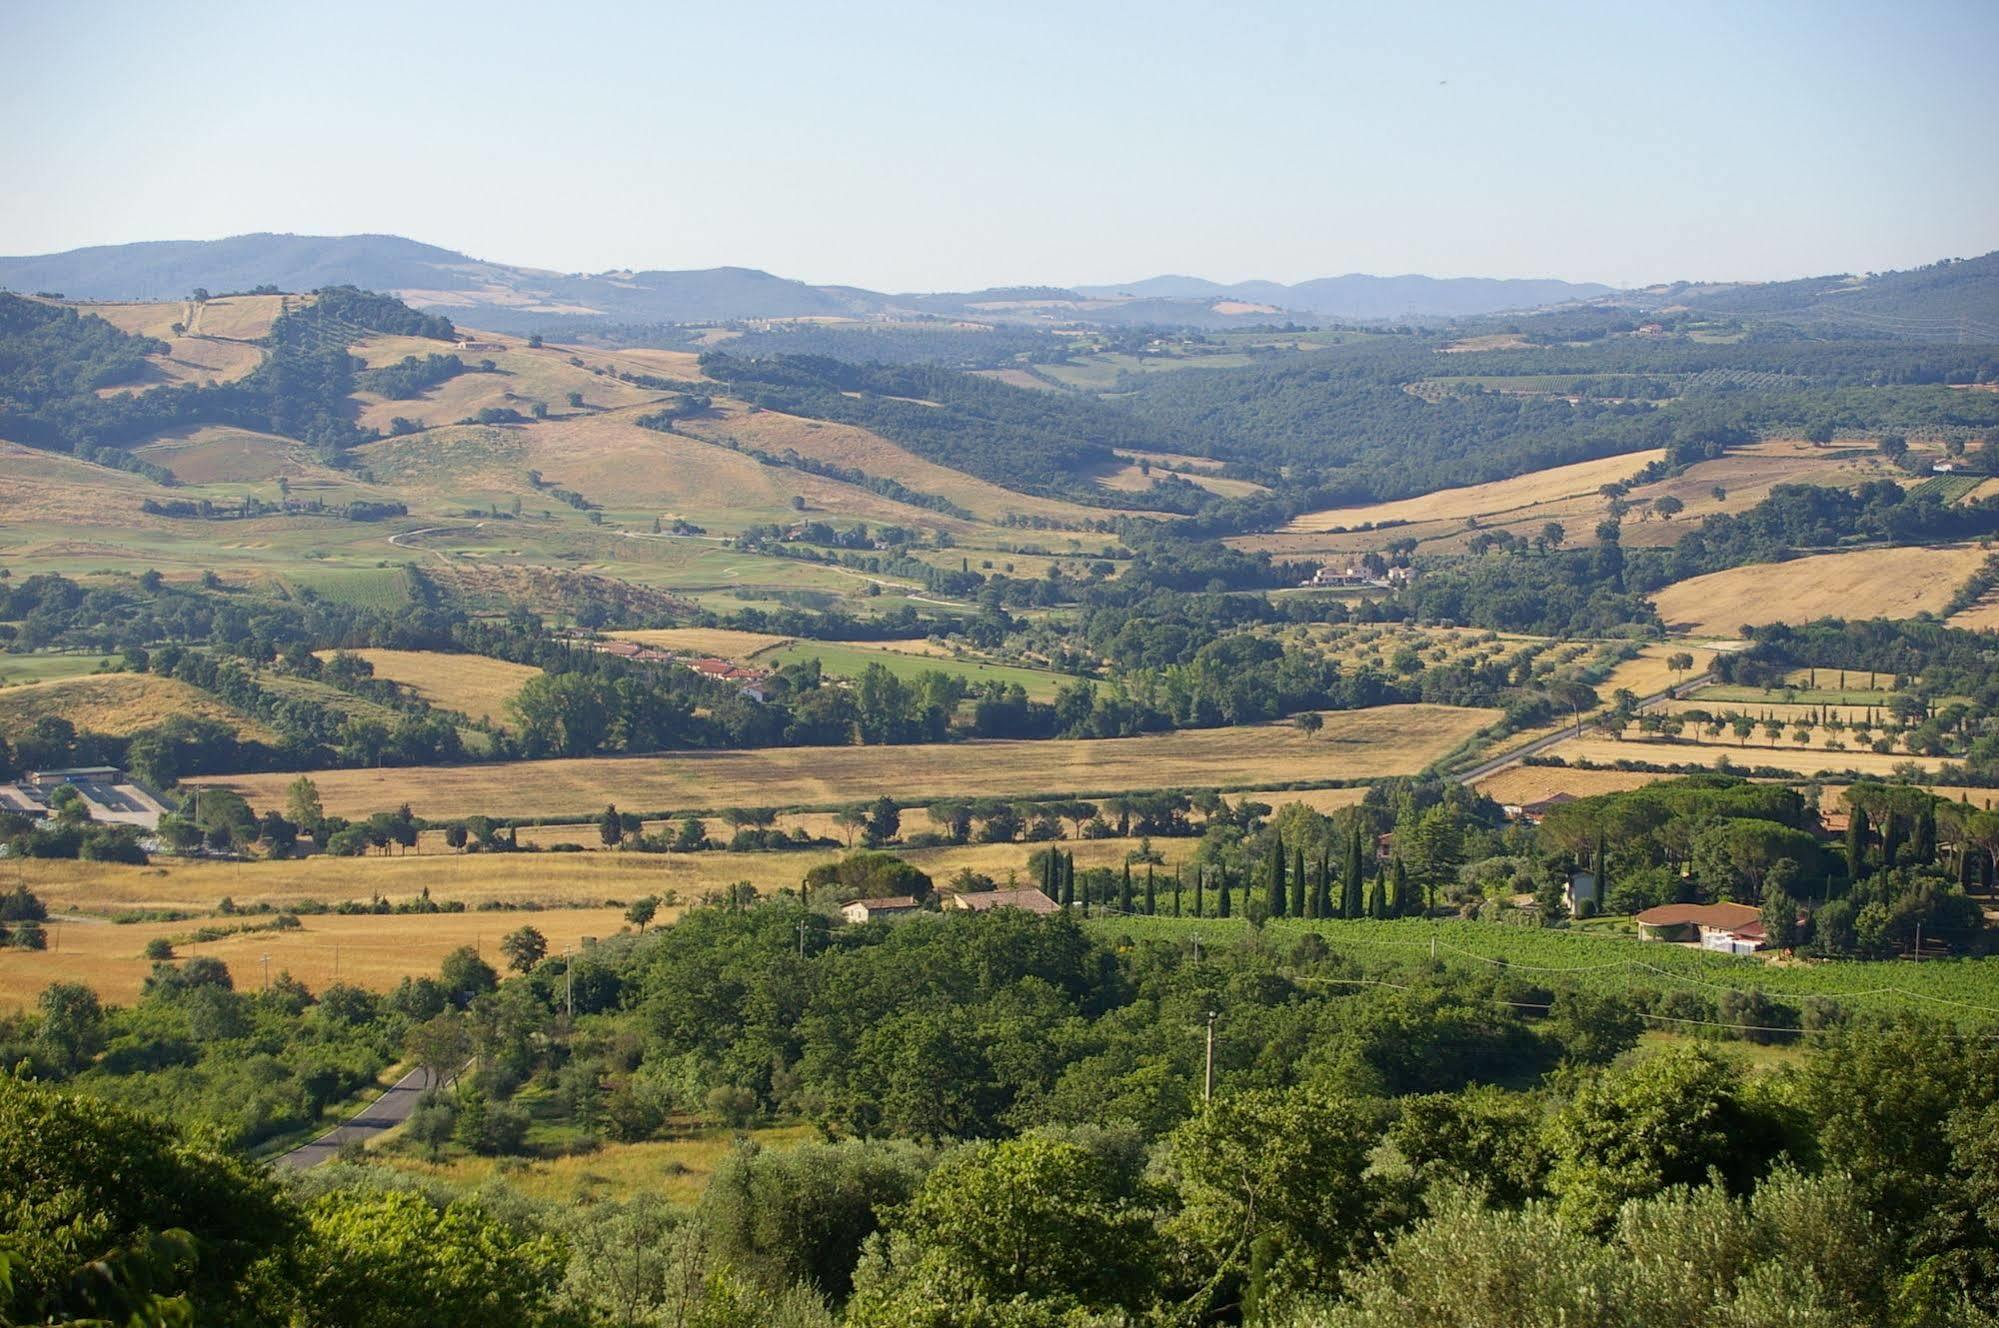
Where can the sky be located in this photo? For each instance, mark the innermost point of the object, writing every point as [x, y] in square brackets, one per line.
[955, 146]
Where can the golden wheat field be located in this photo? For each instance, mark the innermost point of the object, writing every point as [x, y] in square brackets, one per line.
[121, 704]
[1786, 755]
[369, 950]
[473, 685]
[1388, 740]
[566, 896]
[1485, 501]
[1865, 583]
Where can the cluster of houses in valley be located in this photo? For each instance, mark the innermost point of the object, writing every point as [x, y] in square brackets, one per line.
[1029, 900]
[751, 682]
[110, 796]
[1352, 577]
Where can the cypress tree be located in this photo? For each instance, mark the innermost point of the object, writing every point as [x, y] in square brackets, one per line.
[1222, 905]
[1354, 904]
[1923, 844]
[1151, 897]
[1325, 903]
[1298, 902]
[1400, 890]
[1200, 883]
[1377, 900]
[1856, 845]
[1124, 891]
[1891, 839]
[1276, 881]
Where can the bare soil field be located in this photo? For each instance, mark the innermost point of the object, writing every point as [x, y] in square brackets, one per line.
[1387, 740]
[1865, 583]
[120, 704]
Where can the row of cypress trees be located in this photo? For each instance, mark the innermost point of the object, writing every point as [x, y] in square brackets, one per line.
[1291, 887]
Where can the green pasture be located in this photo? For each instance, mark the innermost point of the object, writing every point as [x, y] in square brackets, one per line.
[850, 661]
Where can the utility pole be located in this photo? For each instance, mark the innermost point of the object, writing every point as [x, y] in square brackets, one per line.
[266, 960]
[1919, 942]
[1208, 1079]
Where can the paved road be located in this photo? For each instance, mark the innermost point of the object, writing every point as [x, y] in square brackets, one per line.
[1567, 734]
[390, 1109]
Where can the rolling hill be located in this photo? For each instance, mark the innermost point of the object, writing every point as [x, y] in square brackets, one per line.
[507, 297]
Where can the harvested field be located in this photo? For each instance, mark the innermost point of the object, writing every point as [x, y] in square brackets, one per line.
[219, 454]
[848, 446]
[1785, 756]
[1133, 478]
[720, 642]
[1648, 673]
[1744, 476]
[121, 704]
[371, 950]
[1866, 583]
[1519, 784]
[473, 685]
[1319, 800]
[1388, 740]
[1486, 500]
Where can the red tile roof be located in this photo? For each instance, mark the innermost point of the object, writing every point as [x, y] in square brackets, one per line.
[1726, 917]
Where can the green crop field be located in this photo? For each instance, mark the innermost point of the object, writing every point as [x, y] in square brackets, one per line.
[850, 661]
[364, 587]
[46, 668]
[1600, 960]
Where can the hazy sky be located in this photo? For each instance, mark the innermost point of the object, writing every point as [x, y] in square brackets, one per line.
[949, 146]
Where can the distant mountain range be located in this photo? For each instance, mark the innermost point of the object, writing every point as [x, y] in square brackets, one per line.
[503, 295]
[1360, 296]
[1926, 301]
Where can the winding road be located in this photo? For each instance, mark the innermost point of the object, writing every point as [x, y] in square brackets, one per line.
[386, 1112]
[1567, 733]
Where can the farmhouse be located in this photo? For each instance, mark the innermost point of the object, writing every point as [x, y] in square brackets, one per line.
[1532, 812]
[1729, 928]
[108, 794]
[984, 901]
[867, 910]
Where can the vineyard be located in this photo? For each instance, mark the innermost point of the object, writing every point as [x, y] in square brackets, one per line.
[1962, 991]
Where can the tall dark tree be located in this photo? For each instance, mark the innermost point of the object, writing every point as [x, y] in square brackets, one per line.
[1151, 893]
[1124, 891]
[1275, 876]
[1298, 894]
[1856, 845]
[1222, 906]
[1325, 895]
